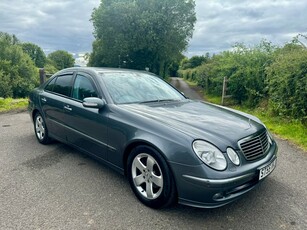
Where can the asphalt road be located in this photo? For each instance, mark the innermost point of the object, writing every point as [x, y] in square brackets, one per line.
[57, 187]
[184, 88]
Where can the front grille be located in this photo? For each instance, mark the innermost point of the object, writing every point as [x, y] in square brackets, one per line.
[254, 147]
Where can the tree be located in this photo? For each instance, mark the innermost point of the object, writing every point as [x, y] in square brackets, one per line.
[18, 74]
[8, 39]
[50, 67]
[194, 61]
[35, 53]
[61, 59]
[139, 34]
[5, 88]
[96, 58]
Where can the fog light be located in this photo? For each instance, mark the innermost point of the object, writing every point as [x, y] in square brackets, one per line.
[233, 156]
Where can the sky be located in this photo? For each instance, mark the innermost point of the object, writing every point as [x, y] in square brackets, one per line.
[65, 24]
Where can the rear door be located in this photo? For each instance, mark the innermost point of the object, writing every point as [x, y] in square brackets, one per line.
[52, 101]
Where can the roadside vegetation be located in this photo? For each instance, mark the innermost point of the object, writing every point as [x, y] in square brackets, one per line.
[10, 104]
[20, 63]
[267, 81]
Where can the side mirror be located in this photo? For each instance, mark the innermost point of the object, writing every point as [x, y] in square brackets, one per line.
[93, 102]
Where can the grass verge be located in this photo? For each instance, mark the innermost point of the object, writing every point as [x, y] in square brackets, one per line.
[10, 104]
[285, 128]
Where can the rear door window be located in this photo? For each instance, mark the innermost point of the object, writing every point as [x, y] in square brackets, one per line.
[50, 85]
[62, 85]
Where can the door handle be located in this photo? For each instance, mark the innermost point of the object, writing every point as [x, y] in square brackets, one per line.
[44, 99]
[67, 107]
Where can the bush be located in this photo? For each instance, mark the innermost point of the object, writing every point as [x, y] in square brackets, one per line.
[243, 67]
[18, 73]
[261, 73]
[287, 81]
[5, 87]
[209, 78]
[188, 74]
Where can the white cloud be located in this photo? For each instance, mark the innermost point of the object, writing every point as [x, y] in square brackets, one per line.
[52, 24]
[65, 24]
[222, 23]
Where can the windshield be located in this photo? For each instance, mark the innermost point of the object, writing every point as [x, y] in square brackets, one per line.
[136, 87]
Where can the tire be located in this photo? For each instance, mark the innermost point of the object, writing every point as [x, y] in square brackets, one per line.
[150, 178]
[40, 129]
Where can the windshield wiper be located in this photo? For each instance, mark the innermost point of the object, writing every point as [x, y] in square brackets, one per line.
[158, 100]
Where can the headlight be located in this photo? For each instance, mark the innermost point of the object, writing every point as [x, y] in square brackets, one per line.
[210, 155]
[233, 156]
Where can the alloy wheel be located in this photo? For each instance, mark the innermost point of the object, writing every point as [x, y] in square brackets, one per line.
[147, 176]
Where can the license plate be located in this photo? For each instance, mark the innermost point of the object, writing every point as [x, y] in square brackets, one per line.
[265, 171]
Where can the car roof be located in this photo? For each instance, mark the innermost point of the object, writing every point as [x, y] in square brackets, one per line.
[99, 70]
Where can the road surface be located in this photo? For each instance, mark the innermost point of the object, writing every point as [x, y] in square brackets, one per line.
[184, 88]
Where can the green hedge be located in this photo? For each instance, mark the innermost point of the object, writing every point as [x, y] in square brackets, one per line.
[287, 82]
[261, 73]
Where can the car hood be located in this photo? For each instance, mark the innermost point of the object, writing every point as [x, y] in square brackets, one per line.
[200, 120]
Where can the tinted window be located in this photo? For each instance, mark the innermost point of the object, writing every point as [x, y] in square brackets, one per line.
[63, 85]
[50, 85]
[83, 88]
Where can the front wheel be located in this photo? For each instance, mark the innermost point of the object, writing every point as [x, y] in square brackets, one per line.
[150, 178]
[40, 128]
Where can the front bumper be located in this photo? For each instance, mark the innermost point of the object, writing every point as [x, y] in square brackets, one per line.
[199, 191]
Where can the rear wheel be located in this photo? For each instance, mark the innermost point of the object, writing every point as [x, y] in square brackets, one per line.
[40, 128]
[150, 178]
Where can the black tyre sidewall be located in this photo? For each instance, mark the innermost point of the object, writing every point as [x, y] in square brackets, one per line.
[168, 195]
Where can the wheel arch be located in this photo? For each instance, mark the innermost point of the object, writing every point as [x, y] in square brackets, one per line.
[135, 144]
[34, 112]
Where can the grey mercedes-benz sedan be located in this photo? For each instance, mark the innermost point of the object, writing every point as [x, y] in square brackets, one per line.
[171, 148]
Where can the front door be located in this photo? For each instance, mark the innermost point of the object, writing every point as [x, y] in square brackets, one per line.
[88, 126]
